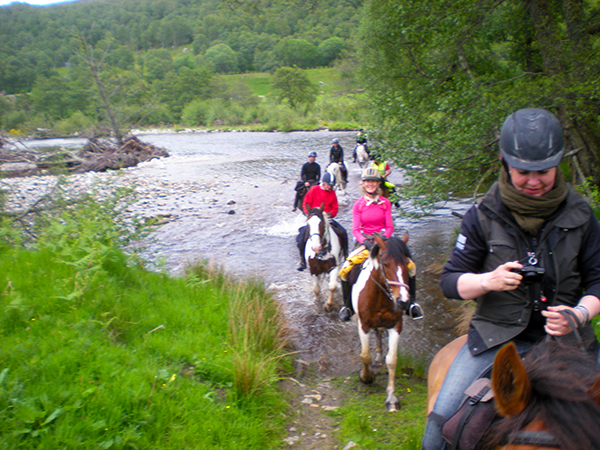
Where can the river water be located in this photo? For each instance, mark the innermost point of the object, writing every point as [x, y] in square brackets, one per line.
[228, 197]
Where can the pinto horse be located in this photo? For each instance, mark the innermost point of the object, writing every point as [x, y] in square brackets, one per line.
[340, 183]
[549, 399]
[380, 296]
[323, 252]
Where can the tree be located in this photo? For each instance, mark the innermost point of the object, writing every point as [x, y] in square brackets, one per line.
[443, 76]
[293, 86]
[329, 50]
[223, 58]
[296, 52]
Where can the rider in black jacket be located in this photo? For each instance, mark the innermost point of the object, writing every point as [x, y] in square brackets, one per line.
[336, 155]
[309, 176]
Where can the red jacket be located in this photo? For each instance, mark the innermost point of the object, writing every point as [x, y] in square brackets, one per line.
[318, 195]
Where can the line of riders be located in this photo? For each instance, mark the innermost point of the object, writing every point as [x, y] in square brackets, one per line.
[372, 213]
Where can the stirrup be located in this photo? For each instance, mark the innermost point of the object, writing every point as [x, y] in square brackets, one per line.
[415, 311]
[345, 314]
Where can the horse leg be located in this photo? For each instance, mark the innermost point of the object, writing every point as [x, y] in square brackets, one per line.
[316, 287]
[366, 376]
[391, 360]
[330, 304]
[378, 348]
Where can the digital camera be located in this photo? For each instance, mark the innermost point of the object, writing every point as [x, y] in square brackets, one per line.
[531, 274]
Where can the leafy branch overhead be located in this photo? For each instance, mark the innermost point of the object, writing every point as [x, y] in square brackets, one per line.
[444, 75]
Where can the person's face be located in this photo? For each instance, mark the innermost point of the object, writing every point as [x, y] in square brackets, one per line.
[370, 186]
[326, 187]
[311, 159]
[335, 144]
[533, 183]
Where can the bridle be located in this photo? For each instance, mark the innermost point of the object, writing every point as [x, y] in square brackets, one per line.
[325, 247]
[387, 283]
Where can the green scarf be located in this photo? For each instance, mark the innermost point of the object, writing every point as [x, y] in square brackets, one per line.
[530, 211]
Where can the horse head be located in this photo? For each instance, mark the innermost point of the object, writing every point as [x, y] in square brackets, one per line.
[552, 396]
[392, 258]
[317, 225]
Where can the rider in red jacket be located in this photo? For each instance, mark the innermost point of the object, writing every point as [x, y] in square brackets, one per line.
[322, 194]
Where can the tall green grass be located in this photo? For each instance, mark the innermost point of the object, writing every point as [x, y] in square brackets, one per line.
[98, 352]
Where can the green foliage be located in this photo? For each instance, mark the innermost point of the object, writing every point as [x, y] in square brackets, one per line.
[99, 353]
[293, 86]
[223, 58]
[443, 77]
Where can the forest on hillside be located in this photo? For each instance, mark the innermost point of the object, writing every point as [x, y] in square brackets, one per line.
[157, 58]
[432, 81]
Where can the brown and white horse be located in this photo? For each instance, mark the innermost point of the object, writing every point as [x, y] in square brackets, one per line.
[380, 296]
[549, 399]
[362, 157]
[323, 253]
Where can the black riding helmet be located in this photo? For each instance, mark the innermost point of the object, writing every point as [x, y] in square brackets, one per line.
[532, 139]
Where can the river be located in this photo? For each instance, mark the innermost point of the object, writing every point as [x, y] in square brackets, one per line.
[228, 198]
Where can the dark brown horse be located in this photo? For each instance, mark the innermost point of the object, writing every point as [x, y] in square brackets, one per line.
[381, 295]
[550, 399]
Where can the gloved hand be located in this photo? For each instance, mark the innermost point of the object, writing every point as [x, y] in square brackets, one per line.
[369, 244]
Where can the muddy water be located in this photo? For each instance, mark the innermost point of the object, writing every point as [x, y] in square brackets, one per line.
[229, 199]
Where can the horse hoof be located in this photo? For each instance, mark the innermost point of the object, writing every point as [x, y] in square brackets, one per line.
[367, 379]
[392, 406]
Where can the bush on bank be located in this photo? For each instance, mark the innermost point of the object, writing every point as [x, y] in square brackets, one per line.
[98, 352]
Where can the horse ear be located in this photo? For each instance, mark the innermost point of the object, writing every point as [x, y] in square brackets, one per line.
[405, 237]
[594, 391]
[510, 382]
[322, 207]
[379, 241]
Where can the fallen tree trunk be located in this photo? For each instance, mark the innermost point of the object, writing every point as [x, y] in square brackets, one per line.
[98, 155]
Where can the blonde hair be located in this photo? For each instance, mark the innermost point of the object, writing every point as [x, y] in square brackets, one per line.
[363, 192]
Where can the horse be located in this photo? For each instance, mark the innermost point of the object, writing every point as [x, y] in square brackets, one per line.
[323, 252]
[380, 296]
[362, 157]
[340, 183]
[549, 399]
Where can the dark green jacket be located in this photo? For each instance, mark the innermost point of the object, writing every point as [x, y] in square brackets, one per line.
[567, 247]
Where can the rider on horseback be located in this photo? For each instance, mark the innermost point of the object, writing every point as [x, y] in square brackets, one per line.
[528, 252]
[361, 139]
[336, 155]
[309, 176]
[372, 213]
[322, 194]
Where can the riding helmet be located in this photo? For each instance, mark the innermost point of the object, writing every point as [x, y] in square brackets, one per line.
[532, 139]
[312, 154]
[370, 173]
[334, 141]
[328, 178]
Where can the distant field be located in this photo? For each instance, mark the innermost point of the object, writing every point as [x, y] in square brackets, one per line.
[328, 80]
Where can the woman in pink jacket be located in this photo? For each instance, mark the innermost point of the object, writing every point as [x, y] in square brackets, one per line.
[372, 213]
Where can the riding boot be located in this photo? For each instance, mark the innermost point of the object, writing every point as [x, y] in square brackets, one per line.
[346, 312]
[302, 265]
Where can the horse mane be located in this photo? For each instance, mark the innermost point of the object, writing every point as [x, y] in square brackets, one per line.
[397, 250]
[560, 376]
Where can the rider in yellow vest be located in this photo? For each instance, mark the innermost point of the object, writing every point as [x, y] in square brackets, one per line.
[384, 170]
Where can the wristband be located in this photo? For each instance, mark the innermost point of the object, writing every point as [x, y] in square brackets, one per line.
[585, 313]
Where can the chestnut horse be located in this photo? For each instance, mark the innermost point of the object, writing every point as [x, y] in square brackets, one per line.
[549, 399]
[380, 296]
[323, 252]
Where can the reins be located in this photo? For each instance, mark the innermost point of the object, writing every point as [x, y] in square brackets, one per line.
[386, 289]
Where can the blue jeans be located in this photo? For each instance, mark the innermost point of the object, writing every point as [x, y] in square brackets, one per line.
[465, 369]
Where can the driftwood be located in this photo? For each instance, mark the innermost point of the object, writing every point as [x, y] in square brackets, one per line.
[98, 155]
